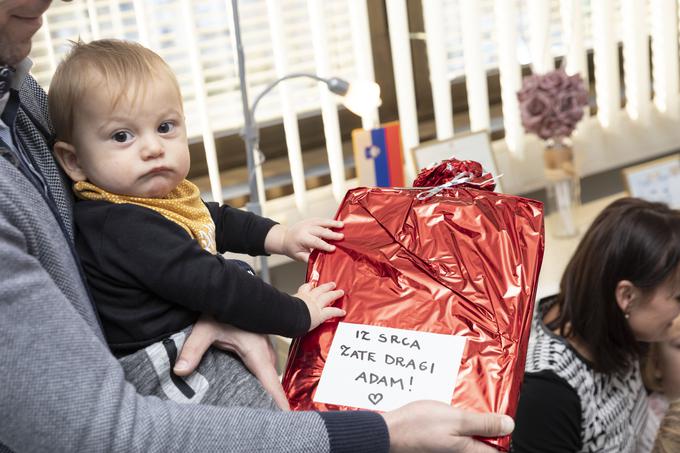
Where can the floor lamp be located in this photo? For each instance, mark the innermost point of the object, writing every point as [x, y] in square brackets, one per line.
[358, 97]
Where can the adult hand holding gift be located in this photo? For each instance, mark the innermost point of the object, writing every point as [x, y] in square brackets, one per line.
[439, 286]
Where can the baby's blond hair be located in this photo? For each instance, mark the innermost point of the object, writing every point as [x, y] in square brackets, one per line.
[668, 436]
[122, 67]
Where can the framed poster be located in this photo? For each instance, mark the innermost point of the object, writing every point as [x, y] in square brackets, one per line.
[656, 180]
[468, 146]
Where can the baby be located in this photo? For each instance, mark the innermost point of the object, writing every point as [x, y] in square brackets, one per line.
[661, 375]
[150, 247]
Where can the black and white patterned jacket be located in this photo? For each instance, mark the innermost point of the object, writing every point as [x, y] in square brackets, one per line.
[613, 406]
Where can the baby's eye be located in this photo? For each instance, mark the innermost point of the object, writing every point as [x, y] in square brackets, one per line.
[121, 136]
[165, 127]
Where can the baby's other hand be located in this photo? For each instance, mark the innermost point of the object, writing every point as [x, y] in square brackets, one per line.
[301, 238]
[318, 300]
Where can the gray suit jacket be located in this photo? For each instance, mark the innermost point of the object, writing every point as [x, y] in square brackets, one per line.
[60, 387]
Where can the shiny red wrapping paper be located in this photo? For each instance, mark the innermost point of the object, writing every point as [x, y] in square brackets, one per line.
[458, 260]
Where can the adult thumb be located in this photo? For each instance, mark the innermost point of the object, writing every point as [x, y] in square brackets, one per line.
[196, 344]
[487, 425]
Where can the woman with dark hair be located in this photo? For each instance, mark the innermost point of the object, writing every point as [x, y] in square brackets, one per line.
[582, 390]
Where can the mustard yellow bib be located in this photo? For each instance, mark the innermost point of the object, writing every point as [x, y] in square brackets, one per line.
[183, 206]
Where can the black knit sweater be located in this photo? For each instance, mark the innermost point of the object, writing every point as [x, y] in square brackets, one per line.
[150, 279]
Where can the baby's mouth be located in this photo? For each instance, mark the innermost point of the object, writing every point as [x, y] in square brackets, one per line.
[157, 170]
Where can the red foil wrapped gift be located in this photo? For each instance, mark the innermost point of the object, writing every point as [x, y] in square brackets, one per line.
[453, 259]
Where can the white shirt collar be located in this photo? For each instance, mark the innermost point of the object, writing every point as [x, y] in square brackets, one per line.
[21, 71]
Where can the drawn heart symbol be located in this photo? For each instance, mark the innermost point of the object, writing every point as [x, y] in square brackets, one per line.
[375, 398]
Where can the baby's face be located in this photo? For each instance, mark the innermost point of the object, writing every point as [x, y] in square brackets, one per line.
[137, 147]
[670, 367]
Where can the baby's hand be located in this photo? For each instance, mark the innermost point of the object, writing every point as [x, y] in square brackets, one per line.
[301, 238]
[318, 300]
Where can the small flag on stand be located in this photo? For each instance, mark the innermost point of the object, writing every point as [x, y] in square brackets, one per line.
[378, 156]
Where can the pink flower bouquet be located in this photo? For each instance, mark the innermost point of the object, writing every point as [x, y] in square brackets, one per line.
[551, 104]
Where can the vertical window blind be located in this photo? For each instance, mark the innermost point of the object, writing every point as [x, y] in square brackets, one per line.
[196, 39]
[162, 26]
[488, 26]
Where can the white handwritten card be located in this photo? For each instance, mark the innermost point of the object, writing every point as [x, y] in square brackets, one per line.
[382, 368]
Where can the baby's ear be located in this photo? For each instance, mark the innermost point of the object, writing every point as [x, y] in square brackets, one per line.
[67, 158]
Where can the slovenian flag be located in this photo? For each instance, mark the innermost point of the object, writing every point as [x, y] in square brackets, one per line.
[378, 156]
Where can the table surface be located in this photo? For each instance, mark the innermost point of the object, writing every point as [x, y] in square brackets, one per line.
[558, 251]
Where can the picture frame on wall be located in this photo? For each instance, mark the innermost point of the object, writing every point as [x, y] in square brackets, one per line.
[466, 146]
[656, 180]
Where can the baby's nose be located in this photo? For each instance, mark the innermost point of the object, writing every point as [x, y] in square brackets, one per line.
[152, 148]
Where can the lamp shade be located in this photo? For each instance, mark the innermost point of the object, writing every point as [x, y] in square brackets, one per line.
[362, 97]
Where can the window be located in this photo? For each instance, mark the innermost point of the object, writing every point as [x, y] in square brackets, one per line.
[165, 27]
[454, 44]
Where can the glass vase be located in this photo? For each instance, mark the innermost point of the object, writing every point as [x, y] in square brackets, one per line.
[563, 187]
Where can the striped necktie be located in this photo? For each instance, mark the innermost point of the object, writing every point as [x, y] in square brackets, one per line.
[6, 73]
